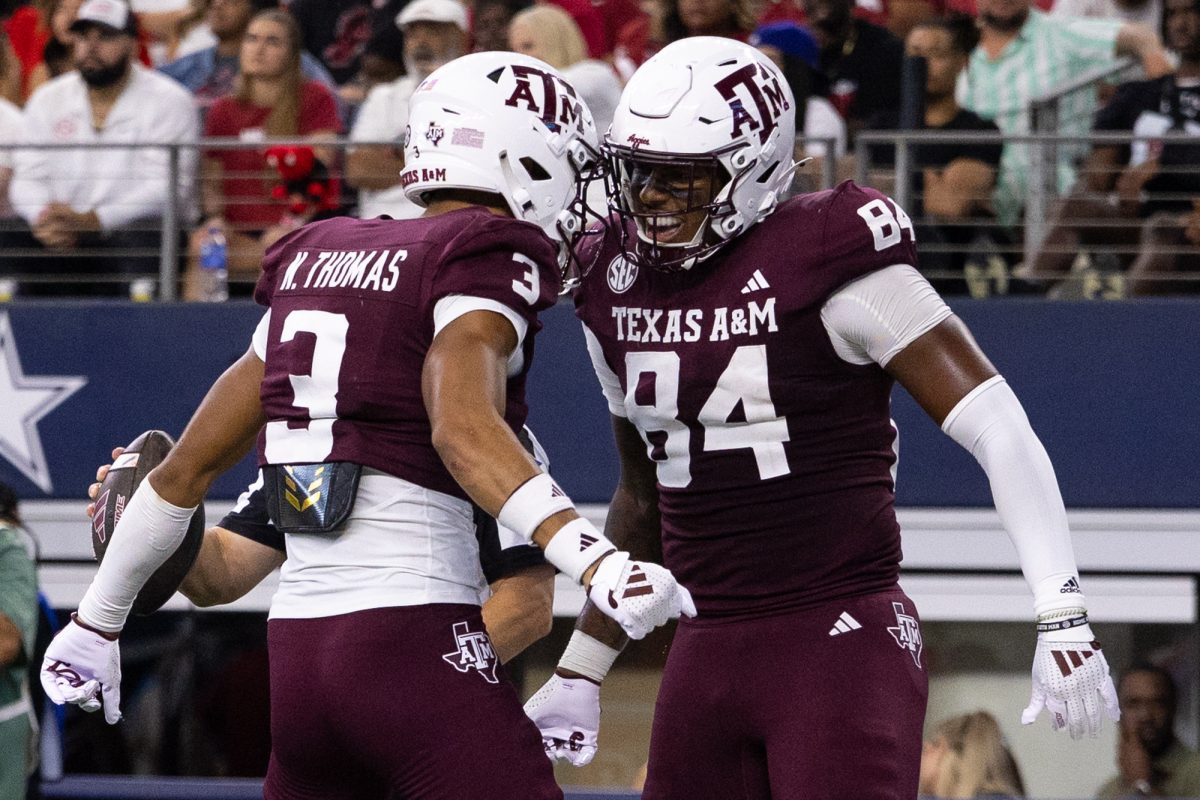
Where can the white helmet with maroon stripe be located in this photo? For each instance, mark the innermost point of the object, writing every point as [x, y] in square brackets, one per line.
[708, 108]
[506, 124]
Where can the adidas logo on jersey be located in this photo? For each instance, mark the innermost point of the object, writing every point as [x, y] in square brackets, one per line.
[757, 281]
[845, 623]
[1070, 586]
[1070, 660]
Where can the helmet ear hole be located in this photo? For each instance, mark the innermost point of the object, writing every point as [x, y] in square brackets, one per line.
[536, 171]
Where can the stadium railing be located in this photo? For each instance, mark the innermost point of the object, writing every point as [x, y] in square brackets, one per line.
[975, 255]
[999, 259]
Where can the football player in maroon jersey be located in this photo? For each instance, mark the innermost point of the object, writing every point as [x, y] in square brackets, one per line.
[747, 347]
[384, 386]
[244, 547]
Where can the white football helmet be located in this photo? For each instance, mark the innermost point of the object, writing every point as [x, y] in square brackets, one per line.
[702, 106]
[505, 124]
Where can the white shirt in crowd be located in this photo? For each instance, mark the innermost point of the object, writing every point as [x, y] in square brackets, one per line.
[599, 87]
[121, 185]
[382, 118]
[823, 122]
[1148, 13]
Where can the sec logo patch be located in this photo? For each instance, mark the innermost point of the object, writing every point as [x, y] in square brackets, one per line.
[621, 274]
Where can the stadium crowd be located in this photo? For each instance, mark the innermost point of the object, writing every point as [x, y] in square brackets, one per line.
[1113, 219]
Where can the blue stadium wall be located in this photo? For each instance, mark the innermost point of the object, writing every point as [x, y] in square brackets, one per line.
[1113, 389]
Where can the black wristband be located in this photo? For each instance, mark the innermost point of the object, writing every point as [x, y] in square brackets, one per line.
[1062, 624]
[112, 636]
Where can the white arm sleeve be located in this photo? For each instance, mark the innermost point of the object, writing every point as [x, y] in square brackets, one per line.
[610, 384]
[880, 314]
[991, 424]
[149, 532]
[453, 306]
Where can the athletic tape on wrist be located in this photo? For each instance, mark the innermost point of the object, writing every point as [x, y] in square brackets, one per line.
[534, 501]
[588, 657]
[577, 546]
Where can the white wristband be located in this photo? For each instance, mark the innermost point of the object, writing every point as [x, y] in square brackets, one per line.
[588, 657]
[534, 501]
[576, 546]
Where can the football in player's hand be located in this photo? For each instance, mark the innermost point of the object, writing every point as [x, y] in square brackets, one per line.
[124, 476]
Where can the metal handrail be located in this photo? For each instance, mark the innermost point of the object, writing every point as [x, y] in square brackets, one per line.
[173, 216]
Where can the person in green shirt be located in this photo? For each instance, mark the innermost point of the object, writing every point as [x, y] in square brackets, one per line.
[18, 628]
[1150, 760]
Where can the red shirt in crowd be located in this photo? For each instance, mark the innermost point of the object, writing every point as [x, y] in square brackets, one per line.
[246, 179]
[590, 23]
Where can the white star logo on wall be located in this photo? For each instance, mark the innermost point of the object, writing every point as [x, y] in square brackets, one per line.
[24, 400]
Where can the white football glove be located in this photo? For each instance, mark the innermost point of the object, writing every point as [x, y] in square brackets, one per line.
[1070, 678]
[567, 712]
[639, 595]
[83, 667]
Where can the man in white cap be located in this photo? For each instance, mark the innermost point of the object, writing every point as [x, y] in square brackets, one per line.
[435, 32]
[99, 201]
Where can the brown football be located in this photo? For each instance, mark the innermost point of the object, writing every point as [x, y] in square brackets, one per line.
[127, 472]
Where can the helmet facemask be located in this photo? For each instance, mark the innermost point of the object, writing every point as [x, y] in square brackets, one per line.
[667, 196]
[578, 220]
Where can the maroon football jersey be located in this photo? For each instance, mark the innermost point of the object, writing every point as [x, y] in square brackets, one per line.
[351, 321]
[774, 455]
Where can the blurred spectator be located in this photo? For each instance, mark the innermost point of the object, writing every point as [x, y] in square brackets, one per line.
[639, 38]
[271, 99]
[490, 22]
[590, 23]
[54, 58]
[1121, 186]
[210, 73]
[1170, 246]
[435, 31]
[670, 20]
[28, 30]
[730, 18]
[877, 12]
[12, 127]
[1150, 760]
[1143, 12]
[336, 32]
[382, 62]
[794, 50]
[176, 28]
[1024, 54]
[383, 56]
[860, 64]
[966, 757]
[10, 71]
[953, 180]
[549, 33]
[87, 208]
[614, 15]
[18, 630]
